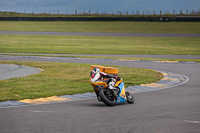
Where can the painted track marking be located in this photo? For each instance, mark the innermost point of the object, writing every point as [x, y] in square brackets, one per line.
[37, 111]
[194, 122]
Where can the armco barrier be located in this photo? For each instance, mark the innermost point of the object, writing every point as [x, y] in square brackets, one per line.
[187, 19]
[150, 19]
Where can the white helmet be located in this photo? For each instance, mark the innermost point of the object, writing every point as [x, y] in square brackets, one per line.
[95, 74]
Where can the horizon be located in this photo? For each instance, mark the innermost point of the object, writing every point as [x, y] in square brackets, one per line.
[99, 6]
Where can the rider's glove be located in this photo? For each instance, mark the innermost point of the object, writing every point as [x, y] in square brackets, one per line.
[117, 78]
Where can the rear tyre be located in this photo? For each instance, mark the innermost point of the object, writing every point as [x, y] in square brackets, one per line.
[106, 99]
[130, 98]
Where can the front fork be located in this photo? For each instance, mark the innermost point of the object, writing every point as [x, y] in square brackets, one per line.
[115, 93]
[112, 92]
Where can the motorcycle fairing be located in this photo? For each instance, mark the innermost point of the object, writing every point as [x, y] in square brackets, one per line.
[122, 95]
[96, 85]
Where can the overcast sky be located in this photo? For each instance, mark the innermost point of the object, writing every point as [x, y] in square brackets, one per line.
[94, 5]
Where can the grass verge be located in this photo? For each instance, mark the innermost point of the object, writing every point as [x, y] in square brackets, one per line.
[99, 45]
[62, 79]
[117, 27]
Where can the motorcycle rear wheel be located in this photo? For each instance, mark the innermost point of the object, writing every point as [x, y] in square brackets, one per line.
[105, 99]
[130, 98]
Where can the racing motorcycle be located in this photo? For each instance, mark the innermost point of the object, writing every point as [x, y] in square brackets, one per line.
[113, 96]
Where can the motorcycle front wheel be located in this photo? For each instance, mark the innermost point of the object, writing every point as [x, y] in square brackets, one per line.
[130, 98]
[109, 101]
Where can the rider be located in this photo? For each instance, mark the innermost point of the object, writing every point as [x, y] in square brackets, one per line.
[97, 75]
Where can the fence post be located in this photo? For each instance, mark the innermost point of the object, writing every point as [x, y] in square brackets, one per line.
[137, 12]
[154, 12]
[192, 11]
[174, 12]
[76, 12]
[181, 12]
[120, 13]
[187, 12]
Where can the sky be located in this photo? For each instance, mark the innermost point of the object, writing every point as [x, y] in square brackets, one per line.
[69, 6]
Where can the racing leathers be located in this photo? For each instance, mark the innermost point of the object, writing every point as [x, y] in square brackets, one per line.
[96, 76]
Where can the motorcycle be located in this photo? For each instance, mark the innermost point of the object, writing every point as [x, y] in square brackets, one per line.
[111, 97]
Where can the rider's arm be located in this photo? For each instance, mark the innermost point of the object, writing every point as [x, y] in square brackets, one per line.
[105, 75]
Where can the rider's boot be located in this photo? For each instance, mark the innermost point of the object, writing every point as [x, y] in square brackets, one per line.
[98, 97]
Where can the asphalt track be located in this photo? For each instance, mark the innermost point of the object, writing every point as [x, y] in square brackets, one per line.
[108, 55]
[175, 109]
[12, 71]
[104, 34]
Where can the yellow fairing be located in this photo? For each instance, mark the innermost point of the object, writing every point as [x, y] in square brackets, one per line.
[96, 84]
[111, 70]
[118, 82]
[123, 94]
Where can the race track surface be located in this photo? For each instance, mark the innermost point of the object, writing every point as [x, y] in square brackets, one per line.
[108, 55]
[11, 71]
[104, 34]
[175, 109]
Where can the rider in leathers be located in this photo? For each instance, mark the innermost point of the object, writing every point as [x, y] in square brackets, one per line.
[97, 75]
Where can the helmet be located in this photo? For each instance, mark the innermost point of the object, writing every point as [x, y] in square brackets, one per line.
[95, 74]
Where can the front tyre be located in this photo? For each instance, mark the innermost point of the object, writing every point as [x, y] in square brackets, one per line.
[130, 98]
[106, 98]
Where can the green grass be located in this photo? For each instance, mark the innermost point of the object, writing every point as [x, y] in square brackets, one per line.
[99, 45]
[124, 27]
[62, 79]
